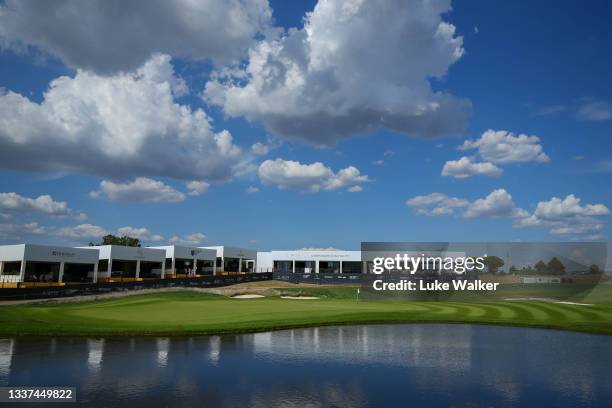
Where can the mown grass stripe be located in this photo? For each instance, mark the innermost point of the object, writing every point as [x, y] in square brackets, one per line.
[550, 312]
[178, 314]
[586, 313]
[520, 311]
[569, 313]
[460, 309]
[489, 310]
[477, 311]
[436, 308]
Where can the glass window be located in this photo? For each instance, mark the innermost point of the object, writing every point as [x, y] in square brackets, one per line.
[123, 269]
[351, 267]
[12, 268]
[305, 266]
[42, 272]
[205, 267]
[150, 270]
[231, 264]
[79, 273]
[283, 266]
[103, 265]
[329, 267]
[183, 266]
[247, 265]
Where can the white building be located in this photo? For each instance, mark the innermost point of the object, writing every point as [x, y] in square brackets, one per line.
[310, 261]
[50, 264]
[543, 279]
[182, 260]
[234, 259]
[129, 263]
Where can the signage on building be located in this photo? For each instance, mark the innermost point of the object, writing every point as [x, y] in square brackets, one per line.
[63, 254]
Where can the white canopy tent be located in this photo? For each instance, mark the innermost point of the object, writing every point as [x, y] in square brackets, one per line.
[193, 254]
[45, 263]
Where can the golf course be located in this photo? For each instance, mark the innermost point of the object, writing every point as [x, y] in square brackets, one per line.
[185, 312]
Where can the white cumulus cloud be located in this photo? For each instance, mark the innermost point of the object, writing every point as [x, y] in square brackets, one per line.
[492, 148]
[465, 167]
[570, 206]
[353, 68]
[17, 231]
[197, 188]
[120, 126]
[81, 234]
[260, 149]
[288, 174]
[189, 239]
[43, 204]
[141, 189]
[498, 203]
[108, 36]
[436, 204]
[141, 233]
[566, 217]
[81, 231]
[502, 147]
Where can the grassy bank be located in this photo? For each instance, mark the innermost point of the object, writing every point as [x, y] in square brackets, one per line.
[186, 313]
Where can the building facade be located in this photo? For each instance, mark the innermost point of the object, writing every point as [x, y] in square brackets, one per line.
[48, 264]
[310, 261]
[234, 259]
[104, 263]
[129, 263]
[188, 261]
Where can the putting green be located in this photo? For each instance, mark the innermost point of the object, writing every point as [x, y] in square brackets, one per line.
[184, 313]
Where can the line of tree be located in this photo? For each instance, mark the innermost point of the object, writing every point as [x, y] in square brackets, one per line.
[125, 240]
[553, 267]
[595, 269]
[493, 263]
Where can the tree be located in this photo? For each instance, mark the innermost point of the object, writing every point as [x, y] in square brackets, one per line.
[122, 241]
[541, 268]
[555, 267]
[513, 270]
[528, 270]
[594, 269]
[493, 263]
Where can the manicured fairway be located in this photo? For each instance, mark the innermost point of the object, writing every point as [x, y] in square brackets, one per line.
[184, 313]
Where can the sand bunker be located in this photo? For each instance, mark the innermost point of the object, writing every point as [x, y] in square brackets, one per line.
[299, 297]
[247, 296]
[549, 300]
[574, 303]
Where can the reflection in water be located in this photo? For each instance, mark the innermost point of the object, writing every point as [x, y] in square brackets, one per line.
[328, 366]
[162, 352]
[6, 353]
[448, 347]
[215, 348]
[94, 358]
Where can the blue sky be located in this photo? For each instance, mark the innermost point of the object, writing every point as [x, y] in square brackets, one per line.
[525, 84]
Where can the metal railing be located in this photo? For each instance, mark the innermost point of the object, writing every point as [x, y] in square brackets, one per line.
[29, 290]
[319, 278]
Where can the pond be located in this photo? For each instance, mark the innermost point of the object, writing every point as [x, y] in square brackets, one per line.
[372, 365]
